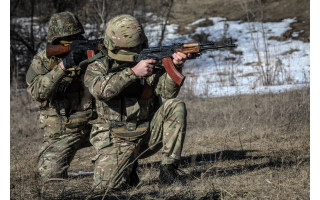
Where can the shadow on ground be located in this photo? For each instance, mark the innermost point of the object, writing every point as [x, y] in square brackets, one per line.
[201, 172]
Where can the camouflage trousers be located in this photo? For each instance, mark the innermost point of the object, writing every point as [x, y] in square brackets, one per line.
[57, 153]
[114, 163]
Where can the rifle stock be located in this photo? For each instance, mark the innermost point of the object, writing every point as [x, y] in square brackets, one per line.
[90, 46]
[58, 49]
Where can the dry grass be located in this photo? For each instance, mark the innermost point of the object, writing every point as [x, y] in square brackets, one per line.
[241, 147]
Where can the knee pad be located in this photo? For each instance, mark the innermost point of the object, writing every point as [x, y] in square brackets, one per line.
[176, 105]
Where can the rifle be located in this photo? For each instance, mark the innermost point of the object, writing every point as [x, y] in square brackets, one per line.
[163, 54]
[91, 46]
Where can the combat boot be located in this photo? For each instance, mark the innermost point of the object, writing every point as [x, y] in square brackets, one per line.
[169, 175]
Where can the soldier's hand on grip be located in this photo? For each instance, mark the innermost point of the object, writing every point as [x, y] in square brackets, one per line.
[73, 58]
[144, 68]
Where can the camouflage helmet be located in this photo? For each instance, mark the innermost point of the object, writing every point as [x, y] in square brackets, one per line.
[124, 31]
[62, 25]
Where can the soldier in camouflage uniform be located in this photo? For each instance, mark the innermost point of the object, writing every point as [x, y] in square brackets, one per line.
[66, 105]
[133, 123]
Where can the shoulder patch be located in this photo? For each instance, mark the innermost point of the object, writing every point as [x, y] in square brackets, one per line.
[30, 75]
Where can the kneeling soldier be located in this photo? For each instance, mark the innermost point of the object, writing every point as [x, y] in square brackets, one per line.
[66, 105]
[133, 123]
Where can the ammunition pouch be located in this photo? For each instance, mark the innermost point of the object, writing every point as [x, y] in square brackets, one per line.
[55, 125]
[128, 131]
[78, 119]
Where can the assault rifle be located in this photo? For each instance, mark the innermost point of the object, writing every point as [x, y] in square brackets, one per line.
[161, 54]
[90, 46]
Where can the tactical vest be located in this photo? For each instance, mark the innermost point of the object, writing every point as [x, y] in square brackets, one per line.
[70, 107]
[134, 102]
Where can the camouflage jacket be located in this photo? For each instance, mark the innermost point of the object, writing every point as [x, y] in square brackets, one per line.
[118, 94]
[66, 105]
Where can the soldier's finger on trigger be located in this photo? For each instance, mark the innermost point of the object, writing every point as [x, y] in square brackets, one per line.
[150, 61]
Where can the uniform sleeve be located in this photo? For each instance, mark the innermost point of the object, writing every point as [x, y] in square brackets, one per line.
[41, 80]
[165, 86]
[105, 86]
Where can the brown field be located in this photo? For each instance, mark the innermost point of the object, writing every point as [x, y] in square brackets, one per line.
[240, 147]
[243, 147]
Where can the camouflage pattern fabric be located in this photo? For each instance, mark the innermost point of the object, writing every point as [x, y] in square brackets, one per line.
[62, 25]
[57, 153]
[124, 31]
[167, 131]
[117, 99]
[65, 110]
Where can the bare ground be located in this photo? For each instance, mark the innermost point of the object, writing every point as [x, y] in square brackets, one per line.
[244, 147]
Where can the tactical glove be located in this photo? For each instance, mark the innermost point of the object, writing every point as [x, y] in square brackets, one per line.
[73, 58]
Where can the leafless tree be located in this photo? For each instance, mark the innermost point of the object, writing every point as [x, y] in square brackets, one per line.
[167, 5]
[28, 23]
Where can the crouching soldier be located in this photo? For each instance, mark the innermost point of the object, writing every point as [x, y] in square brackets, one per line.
[133, 123]
[66, 105]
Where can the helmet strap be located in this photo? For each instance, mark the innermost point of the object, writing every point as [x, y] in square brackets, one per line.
[122, 56]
